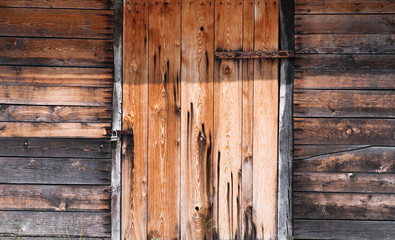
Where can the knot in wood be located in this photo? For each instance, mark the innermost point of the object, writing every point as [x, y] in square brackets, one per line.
[349, 131]
[227, 69]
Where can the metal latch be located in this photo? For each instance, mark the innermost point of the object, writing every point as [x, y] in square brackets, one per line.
[116, 133]
[254, 54]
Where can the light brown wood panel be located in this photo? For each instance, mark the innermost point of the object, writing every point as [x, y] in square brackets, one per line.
[56, 76]
[344, 182]
[76, 130]
[56, 52]
[228, 118]
[344, 131]
[86, 4]
[347, 24]
[72, 96]
[327, 78]
[28, 113]
[197, 120]
[341, 6]
[55, 198]
[265, 121]
[164, 119]
[344, 206]
[135, 117]
[69, 23]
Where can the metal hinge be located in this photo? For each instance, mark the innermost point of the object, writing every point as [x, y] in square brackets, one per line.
[116, 133]
[254, 54]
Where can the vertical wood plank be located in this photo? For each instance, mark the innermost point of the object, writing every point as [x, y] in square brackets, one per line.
[265, 121]
[197, 119]
[228, 117]
[164, 119]
[135, 117]
[248, 230]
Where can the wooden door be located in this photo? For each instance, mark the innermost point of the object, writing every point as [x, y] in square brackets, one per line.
[202, 163]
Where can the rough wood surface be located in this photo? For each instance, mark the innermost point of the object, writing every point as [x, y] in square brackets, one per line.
[68, 23]
[86, 4]
[56, 52]
[341, 7]
[55, 198]
[54, 170]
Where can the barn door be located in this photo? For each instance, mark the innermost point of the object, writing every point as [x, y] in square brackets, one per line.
[202, 162]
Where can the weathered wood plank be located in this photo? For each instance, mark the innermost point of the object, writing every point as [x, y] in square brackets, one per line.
[56, 52]
[76, 130]
[53, 114]
[343, 229]
[69, 23]
[330, 103]
[55, 198]
[345, 43]
[55, 170]
[197, 120]
[349, 24]
[135, 116]
[56, 76]
[78, 4]
[164, 119]
[309, 151]
[344, 61]
[344, 78]
[46, 238]
[55, 147]
[340, 6]
[346, 159]
[344, 131]
[72, 96]
[344, 206]
[74, 224]
[227, 118]
[265, 121]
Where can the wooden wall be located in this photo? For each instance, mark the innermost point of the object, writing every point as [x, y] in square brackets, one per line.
[344, 110]
[55, 103]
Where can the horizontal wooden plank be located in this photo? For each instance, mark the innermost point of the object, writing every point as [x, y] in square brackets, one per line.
[344, 131]
[328, 78]
[68, 23]
[356, 206]
[57, 238]
[345, 43]
[55, 147]
[349, 24]
[72, 130]
[344, 61]
[302, 151]
[55, 170]
[56, 52]
[56, 76]
[344, 182]
[86, 4]
[344, 103]
[55, 198]
[341, 6]
[72, 96]
[74, 224]
[343, 229]
[54, 114]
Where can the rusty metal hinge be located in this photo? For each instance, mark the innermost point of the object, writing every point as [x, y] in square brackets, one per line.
[254, 54]
[116, 133]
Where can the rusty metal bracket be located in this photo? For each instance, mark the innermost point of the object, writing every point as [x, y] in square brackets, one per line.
[116, 133]
[254, 54]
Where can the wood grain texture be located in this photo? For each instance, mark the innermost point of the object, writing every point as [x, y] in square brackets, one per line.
[164, 119]
[86, 4]
[347, 24]
[311, 150]
[56, 52]
[55, 147]
[55, 198]
[68, 23]
[331, 103]
[55, 170]
[341, 7]
[338, 229]
[265, 121]
[56, 76]
[197, 120]
[344, 206]
[344, 182]
[227, 118]
[135, 117]
[63, 224]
